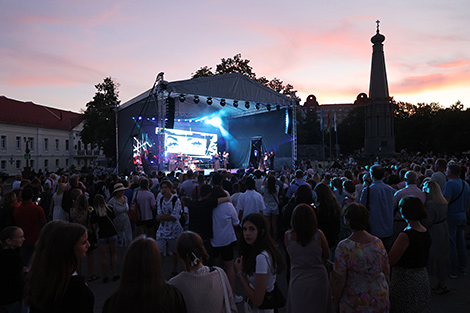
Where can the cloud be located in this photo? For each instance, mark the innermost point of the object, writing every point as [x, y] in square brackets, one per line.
[451, 64]
[431, 82]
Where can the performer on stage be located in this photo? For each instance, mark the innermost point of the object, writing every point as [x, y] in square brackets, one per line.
[271, 161]
[225, 156]
[216, 162]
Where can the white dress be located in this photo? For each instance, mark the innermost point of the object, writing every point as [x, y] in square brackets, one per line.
[121, 221]
[57, 212]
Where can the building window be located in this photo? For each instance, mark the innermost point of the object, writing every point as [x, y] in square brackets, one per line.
[31, 163]
[18, 164]
[66, 144]
[46, 143]
[57, 145]
[57, 162]
[4, 165]
[18, 143]
[46, 163]
[31, 143]
[66, 162]
[3, 142]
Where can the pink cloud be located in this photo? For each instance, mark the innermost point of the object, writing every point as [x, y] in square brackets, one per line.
[457, 63]
[416, 84]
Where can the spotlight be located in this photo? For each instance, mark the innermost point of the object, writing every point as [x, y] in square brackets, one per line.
[278, 107]
[268, 107]
[196, 99]
[257, 106]
[140, 118]
[235, 103]
[209, 101]
[182, 98]
[222, 102]
[247, 104]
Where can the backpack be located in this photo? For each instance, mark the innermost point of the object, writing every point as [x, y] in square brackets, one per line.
[182, 219]
[134, 210]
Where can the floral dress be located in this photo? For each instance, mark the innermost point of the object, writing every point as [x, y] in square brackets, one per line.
[364, 266]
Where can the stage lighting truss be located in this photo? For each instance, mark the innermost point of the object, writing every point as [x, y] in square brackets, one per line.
[209, 101]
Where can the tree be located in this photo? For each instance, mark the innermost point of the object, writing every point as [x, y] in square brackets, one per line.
[239, 65]
[203, 72]
[99, 118]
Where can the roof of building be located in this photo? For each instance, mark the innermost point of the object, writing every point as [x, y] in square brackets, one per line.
[31, 114]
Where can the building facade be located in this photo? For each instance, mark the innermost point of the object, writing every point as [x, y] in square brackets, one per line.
[52, 137]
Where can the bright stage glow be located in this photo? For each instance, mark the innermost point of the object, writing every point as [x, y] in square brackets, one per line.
[214, 121]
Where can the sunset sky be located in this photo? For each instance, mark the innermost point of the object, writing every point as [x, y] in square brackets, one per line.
[54, 52]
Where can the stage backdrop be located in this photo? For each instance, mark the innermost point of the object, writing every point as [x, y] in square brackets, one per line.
[271, 127]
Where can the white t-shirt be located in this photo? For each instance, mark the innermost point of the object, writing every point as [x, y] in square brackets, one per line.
[224, 217]
[250, 201]
[263, 266]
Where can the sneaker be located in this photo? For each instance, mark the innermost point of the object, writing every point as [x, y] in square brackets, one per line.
[237, 299]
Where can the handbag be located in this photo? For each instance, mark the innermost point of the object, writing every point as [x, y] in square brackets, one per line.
[226, 299]
[134, 210]
[273, 299]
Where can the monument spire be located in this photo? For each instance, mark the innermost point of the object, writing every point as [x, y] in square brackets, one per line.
[379, 129]
[378, 87]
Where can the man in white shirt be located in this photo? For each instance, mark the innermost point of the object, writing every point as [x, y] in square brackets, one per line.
[250, 201]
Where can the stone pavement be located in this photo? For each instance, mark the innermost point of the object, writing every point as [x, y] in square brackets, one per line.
[456, 301]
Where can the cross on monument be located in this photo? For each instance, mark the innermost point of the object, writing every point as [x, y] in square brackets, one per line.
[378, 25]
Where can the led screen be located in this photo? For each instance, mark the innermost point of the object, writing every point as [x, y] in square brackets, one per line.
[197, 144]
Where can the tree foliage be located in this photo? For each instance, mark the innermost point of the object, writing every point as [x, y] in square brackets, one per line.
[242, 66]
[422, 127]
[99, 118]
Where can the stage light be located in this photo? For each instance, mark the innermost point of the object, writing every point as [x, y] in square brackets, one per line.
[140, 118]
[209, 101]
[215, 121]
[278, 107]
[235, 103]
[182, 98]
[179, 120]
[247, 104]
[257, 106]
[196, 99]
[222, 102]
[268, 107]
[153, 118]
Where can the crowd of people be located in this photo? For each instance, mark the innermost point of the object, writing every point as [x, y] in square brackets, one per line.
[350, 238]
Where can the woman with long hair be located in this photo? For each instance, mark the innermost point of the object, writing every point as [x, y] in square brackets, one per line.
[328, 214]
[53, 283]
[270, 193]
[58, 213]
[80, 213]
[204, 289]
[360, 278]
[309, 286]
[142, 288]
[11, 270]
[436, 223]
[259, 262]
[410, 290]
[7, 206]
[102, 221]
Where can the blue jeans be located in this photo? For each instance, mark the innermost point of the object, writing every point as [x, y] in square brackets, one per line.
[458, 250]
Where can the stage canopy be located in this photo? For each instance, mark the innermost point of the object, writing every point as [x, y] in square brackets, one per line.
[248, 109]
